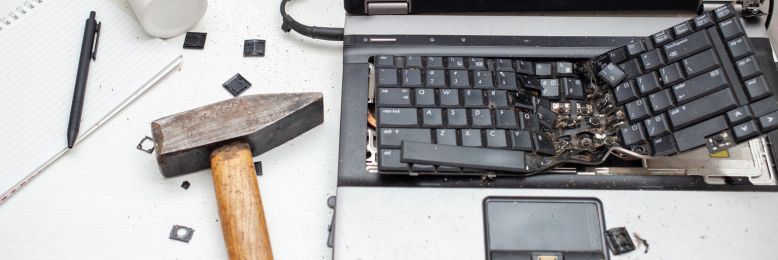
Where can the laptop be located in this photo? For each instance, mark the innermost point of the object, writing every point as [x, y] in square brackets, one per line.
[526, 130]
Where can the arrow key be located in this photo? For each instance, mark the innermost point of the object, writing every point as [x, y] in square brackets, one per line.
[769, 121]
[745, 131]
[739, 115]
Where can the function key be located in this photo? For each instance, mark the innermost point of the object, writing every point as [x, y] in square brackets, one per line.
[682, 29]
[618, 55]
[543, 69]
[731, 28]
[503, 64]
[703, 21]
[662, 37]
[739, 48]
[525, 67]
[455, 63]
[757, 88]
[564, 68]
[413, 61]
[476, 63]
[635, 48]
[747, 67]
[434, 62]
[724, 12]
[385, 61]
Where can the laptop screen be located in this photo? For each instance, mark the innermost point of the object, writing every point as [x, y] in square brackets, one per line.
[464, 6]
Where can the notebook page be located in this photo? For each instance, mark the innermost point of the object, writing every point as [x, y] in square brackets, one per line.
[38, 63]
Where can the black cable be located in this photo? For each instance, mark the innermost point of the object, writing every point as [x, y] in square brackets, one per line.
[769, 14]
[323, 33]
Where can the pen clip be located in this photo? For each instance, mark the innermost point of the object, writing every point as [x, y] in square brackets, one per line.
[97, 40]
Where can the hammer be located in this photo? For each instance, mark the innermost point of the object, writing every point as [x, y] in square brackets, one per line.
[228, 134]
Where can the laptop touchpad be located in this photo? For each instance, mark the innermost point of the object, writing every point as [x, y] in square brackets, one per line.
[544, 229]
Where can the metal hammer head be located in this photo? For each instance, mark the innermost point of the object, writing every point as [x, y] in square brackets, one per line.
[184, 141]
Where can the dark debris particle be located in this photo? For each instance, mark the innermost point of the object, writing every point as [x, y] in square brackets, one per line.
[254, 48]
[185, 185]
[237, 84]
[181, 233]
[619, 241]
[195, 40]
[258, 167]
[640, 240]
[146, 140]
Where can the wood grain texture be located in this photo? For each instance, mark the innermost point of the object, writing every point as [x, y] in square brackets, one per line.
[240, 205]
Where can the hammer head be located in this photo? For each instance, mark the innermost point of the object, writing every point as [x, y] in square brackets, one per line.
[184, 141]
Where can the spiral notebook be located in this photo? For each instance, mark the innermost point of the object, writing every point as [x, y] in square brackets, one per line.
[40, 41]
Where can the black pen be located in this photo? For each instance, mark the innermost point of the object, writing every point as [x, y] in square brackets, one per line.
[88, 51]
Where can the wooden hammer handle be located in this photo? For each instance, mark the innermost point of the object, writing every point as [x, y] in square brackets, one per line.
[240, 206]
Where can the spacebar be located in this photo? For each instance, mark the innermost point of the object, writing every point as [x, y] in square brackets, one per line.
[466, 157]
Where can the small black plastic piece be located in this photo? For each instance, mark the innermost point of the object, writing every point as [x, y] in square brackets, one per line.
[258, 167]
[143, 141]
[619, 241]
[185, 237]
[185, 185]
[254, 48]
[194, 40]
[237, 84]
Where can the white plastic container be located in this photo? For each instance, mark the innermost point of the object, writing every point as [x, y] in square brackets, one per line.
[168, 18]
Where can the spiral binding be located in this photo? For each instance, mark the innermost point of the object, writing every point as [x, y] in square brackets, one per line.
[18, 12]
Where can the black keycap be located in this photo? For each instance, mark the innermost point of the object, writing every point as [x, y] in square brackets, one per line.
[769, 122]
[564, 68]
[543, 143]
[671, 74]
[505, 119]
[425, 97]
[550, 88]
[648, 83]
[393, 137]
[394, 97]
[703, 108]
[631, 68]
[458, 79]
[435, 78]
[496, 139]
[446, 136]
[449, 97]
[506, 80]
[703, 21]
[700, 62]
[530, 84]
[739, 48]
[546, 117]
[661, 101]
[745, 131]
[633, 134]
[618, 55]
[456, 118]
[685, 46]
[682, 29]
[422, 167]
[473, 98]
[612, 74]
[637, 110]
[739, 115]
[747, 67]
[757, 88]
[481, 118]
[521, 140]
[731, 28]
[470, 137]
[699, 86]
[663, 146]
[504, 65]
[397, 117]
[434, 62]
[529, 122]
[694, 136]
[413, 61]
[431, 118]
[497, 98]
[657, 126]
[764, 107]
[625, 92]
[652, 59]
[385, 61]
[661, 37]
[411, 77]
[482, 79]
[455, 63]
[573, 88]
[387, 77]
[467, 157]
[389, 160]
[525, 67]
[476, 64]
[543, 69]
[635, 48]
[724, 12]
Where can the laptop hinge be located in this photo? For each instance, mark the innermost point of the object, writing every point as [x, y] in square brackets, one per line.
[381, 7]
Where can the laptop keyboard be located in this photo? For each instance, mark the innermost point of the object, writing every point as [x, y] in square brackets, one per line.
[695, 84]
